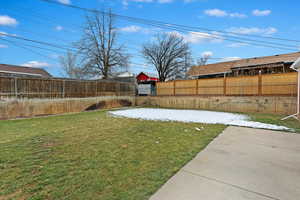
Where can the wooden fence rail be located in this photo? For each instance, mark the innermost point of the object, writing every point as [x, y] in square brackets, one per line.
[284, 84]
[61, 88]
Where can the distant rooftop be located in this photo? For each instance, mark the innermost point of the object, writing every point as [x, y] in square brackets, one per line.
[223, 67]
[125, 74]
[150, 74]
[31, 71]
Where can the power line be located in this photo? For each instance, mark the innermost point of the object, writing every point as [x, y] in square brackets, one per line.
[215, 36]
[23, 46]
[38, 47]
[28, 49]
[65, 28]
[218, 37]
[42, 43]
[54, 45]
[182, 27]
[38, 18]
[137, 65]
[36, 41]
[209, 35]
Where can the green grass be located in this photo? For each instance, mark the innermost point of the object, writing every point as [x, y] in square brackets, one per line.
[276, 119]
[94, 156]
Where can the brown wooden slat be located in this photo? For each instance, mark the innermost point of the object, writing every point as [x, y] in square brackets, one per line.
[283, 84]
[60, 88]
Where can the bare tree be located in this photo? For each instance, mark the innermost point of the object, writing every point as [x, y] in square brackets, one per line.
[167, 53]
[204, 58]
[99, 48]
[182, 71]
[71, 67]
[202, 61]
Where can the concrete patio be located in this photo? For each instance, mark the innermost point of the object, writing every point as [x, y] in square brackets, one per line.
[240, 164]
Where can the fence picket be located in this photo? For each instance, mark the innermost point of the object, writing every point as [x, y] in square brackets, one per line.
[57, 88]
[284, 84]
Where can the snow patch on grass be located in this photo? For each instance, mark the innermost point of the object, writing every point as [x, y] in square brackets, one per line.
[194, 116]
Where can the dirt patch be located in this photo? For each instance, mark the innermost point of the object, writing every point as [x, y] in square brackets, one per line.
[109, 104]
[125, 103]
[96, 106]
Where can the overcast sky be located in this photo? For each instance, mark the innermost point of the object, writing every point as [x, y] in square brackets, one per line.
[38, 20]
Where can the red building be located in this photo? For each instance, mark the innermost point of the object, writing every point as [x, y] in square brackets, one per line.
[145, 77]
[146, 83]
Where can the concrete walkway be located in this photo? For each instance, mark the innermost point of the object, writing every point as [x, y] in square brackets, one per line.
[241, 163]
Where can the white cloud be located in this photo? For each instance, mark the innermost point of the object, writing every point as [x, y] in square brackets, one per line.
[2, 34]
[165, 1]
[199, 37]
[253, 30]
[237, 45]
[126, 2]
[68, 2]
[59, 28]
[189, 1]
[230, 59]
[237, 15]
[222, 13]
[206, 54]
[136, 29]
[2, 46]
[259, 13]
[216, 13]
[37, 64]
[131, 29]
[7, 21]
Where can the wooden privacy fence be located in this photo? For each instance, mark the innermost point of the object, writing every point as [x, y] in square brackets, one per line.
[284, 84]
[62, 88]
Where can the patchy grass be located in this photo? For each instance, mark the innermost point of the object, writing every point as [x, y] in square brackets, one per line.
[276, 119]
[94, 156]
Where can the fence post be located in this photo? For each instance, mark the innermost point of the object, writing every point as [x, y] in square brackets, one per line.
[85, 85]
[197, 87]
[224, 85]
[120, 91]
[96, 87]
[117, 92]
[63, 89]
[259, 83]
[174, 87]
[50, 89]
[16, 87]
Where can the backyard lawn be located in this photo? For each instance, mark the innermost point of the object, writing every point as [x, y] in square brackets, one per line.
[94, 156]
